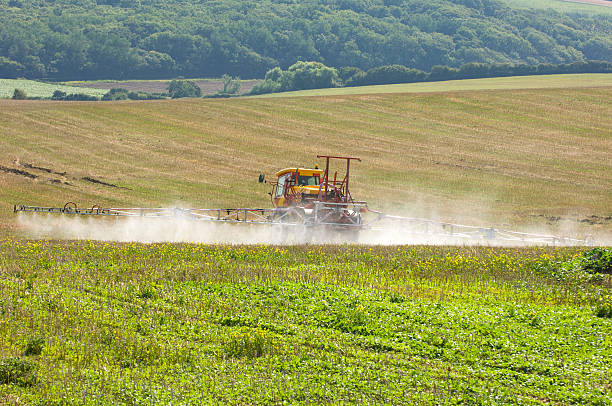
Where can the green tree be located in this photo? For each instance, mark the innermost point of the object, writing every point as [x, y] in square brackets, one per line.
[393, 74]
[231, 85]
[301, 75]
[116, 93]
[347, 72]
[190, 51]
[10, 69]
[311, 75]
[267, 86]
[598, 48]
[114, 39]
[19, 94]
[183, 88]
[274, 74]
[58, 95]
[441, 72]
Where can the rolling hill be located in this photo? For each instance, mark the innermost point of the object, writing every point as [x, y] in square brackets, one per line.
[502, 157]
[153, 39]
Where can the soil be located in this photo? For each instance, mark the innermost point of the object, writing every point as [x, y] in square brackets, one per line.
[18, 172]
[207, 86]
[99, 182]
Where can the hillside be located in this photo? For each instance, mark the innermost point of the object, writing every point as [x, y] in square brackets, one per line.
[513, 157]
[114, 39]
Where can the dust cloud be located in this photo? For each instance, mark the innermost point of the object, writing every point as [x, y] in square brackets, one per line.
[177, 229]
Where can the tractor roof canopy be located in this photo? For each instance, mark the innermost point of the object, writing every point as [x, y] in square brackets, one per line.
[301, 171]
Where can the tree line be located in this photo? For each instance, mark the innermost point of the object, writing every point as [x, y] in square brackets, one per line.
[176, 89]
[146, 39]
[315, 75]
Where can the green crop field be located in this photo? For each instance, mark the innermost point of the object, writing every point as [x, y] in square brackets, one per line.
[101, 323]
[43, 90]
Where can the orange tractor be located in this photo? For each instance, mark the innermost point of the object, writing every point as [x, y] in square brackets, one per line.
[312, 197]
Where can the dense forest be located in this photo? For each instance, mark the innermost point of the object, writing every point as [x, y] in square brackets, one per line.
[116, 39]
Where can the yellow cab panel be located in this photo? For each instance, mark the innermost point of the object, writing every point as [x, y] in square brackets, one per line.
[287, 186]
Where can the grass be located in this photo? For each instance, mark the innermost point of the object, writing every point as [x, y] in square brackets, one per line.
[42, 90]
[506, 83]
[193, 324]
[510, 158]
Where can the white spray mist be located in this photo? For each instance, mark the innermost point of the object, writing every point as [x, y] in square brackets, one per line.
[171, 229]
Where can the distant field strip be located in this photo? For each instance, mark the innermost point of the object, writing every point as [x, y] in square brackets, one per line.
[506, 83]
[40, 89]
[606, 3]
[511, 158]
[564, 6]
[208, 86]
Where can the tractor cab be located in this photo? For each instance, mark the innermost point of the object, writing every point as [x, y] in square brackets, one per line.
[296, 186]
[303, 187]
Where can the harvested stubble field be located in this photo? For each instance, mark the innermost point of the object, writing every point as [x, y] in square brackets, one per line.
[102, 323]
[531, 159]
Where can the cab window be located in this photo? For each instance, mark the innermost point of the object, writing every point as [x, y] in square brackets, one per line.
[280, 186]
[307, 180]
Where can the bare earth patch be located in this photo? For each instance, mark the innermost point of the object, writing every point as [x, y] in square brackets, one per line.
[155, 86]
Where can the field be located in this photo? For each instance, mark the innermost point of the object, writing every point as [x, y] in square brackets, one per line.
[86, 322]
[99, 88]
[208, 86]
[531, 159]
[566, 81]
[42, 90]
[101, 323]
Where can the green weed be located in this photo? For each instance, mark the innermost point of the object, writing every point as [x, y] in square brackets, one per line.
[18, 371]
[597, 260]
[604, 311]
[249, 343]
[35, 345]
